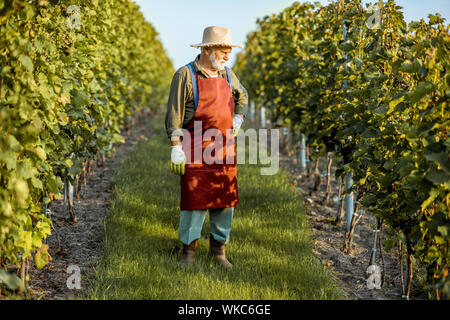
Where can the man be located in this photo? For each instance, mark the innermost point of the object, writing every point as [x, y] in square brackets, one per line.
[206, 92]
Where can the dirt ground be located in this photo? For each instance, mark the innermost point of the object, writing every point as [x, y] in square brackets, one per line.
[80, 243]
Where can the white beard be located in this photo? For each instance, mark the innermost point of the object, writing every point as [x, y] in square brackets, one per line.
[217, 65]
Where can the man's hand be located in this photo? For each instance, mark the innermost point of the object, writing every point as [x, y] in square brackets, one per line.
[237, 122]
[178, 160]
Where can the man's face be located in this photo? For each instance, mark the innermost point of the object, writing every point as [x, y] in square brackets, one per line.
[219, 56]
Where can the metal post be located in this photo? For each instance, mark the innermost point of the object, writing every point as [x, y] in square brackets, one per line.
[263, 116]
[303, 152]
[344, 32]
[374, 249]
[339, 199]
[70, 189]
[252, 111]
[65, 193]
[349, 204]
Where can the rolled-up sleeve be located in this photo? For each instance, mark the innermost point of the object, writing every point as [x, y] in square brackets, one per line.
[240, 95]
[176, 103]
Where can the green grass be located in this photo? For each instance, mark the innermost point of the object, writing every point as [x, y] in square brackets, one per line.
[270, 245]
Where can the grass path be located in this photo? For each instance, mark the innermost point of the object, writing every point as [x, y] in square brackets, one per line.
[270, 245]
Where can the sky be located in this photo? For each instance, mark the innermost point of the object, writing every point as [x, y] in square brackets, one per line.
[180, 23]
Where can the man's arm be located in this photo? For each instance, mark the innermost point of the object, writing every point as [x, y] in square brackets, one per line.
[240, 95]
[176, 107]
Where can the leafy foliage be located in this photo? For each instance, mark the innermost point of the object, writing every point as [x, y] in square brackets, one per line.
[378, 99]
[64, 93]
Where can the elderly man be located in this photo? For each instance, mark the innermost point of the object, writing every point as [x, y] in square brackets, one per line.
[205, 95]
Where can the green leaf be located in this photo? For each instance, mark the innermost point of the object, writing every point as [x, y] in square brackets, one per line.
[404, 169]
[26, 62]
[408, 67]
[26, 170]
[9, 158]
[382, 109]
[21, 191]
[53, 184]
[437, 177]
[80, 99]
[394, 103]
[37, 183]
[67, 85]
[443, 230]
[76, 168]
[388, 165]
[420, 91]
[6, 69]
[40, 153]
[432, 195]
[435, 19]
[36, 241]
[441, 158]
[41, 257]
[43, 227]
[12, 143]
[12, 281]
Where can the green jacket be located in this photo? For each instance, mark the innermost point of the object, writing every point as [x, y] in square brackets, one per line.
[180, 106]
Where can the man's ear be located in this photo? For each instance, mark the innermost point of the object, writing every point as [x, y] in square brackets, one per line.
[208, 50]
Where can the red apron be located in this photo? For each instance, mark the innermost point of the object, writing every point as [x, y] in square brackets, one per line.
[208, 184]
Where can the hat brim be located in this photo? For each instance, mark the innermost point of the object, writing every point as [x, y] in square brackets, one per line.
[218, 44]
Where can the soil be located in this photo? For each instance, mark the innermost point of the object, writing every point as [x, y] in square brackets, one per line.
[81, 243]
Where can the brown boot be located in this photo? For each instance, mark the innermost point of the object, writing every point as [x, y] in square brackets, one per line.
[187, 259]
[217, 250]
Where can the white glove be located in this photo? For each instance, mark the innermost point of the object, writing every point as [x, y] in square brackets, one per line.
[178, 155]
[237, 122]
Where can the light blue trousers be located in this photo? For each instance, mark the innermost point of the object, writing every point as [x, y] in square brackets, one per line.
[191, 223]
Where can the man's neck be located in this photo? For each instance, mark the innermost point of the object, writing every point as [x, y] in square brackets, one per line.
[206, 65]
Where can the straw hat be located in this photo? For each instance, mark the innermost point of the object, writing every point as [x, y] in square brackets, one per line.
[216, 36]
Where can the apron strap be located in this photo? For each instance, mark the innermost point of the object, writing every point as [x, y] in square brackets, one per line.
[228, 78]
[194, 84]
